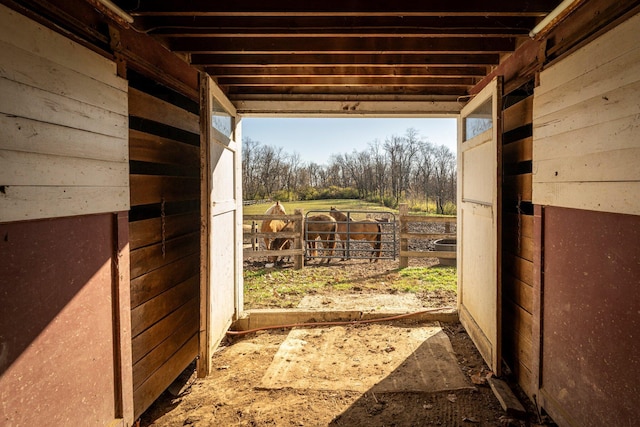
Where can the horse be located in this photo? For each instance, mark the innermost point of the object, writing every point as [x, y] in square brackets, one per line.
[322, 226]
[273, 225]
[368, 230]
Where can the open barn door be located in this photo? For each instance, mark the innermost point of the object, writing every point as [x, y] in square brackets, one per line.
[480, 171]
[221, 204]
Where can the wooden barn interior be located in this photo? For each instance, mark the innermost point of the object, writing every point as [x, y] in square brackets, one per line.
[121, 204]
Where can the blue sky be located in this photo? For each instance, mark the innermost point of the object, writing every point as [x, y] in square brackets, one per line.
[316, 139]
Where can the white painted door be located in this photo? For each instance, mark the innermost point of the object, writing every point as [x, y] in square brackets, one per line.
[479, 169]
[221, 294]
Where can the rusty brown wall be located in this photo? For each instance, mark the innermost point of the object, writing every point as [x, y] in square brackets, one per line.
[56, 330]
[591, 317]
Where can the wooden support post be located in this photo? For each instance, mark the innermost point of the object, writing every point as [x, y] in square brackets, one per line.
[404, 242]
[298, 241]
[254, 240]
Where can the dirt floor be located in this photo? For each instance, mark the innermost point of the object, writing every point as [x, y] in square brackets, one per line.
[234, 395]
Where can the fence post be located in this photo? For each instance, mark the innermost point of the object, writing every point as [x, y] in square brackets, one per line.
[404, 242]
[254, 240]
[298, 241]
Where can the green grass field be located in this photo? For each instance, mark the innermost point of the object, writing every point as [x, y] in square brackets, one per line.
[319, 205]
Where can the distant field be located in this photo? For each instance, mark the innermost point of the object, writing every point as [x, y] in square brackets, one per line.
[325, 205]
[320, 205]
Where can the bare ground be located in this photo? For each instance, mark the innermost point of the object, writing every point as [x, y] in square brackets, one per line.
[232, 396]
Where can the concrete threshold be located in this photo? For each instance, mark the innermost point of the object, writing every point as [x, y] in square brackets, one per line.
[265, 318]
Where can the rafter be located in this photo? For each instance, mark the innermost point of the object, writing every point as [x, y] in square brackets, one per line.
[339, 8]
[373, 45]
[345, 59]
[341, 49]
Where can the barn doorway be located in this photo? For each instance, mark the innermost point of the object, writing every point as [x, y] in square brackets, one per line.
[356, 165]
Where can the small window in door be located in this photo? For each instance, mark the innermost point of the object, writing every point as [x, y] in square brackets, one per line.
[222, 122]
[479, 121]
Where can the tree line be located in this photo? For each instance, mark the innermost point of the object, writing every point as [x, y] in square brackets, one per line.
[402, 168]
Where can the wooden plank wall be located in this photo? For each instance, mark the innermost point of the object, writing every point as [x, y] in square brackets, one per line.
[586, 123]
[63, 126]
[164, 236]
[517, 236]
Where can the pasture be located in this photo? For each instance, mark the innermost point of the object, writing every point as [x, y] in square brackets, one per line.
[319, 205]
[284, 287]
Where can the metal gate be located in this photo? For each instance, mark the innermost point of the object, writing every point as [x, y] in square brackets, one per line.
[360, 235]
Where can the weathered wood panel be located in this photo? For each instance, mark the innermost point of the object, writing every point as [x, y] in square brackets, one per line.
[146, 341]
[63, 126]
[155, 309]
[518, 292]
[586, 121]
[37, 103]
[32, 69]
[149, 258]
[518, 186]
[518, 151]
[165, 236]
[164, 375]
[518, 115]
[149, 107]
[25, 34]
[154, 230]
[518, 225]
[517, 241]
[30, 202]
[519, 268]
[156, 149]
[29, 169]
[147, 189]
[149, 285]
[32, 136]
[145, 367]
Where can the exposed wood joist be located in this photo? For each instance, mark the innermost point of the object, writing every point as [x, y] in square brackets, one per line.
[340, 8]
[342, 49]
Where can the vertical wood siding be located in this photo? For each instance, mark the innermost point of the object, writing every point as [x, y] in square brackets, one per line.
[63, 126]
[517, 237]
[164, 236]
[586, 126]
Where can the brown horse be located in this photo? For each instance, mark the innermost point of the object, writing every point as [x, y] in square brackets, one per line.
[323, 227]
[368, 230]
[273, 225]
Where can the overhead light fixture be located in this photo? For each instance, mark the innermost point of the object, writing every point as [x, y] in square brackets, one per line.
[554, 17]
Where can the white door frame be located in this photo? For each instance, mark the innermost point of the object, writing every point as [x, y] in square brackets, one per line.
[479, 223]
[221, 297]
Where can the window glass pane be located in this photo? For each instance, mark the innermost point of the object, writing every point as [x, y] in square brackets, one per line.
[222, 121]
[479, 121]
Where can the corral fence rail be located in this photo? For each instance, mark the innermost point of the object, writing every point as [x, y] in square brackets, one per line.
[406, 235]
[358, 248]
[389, 222]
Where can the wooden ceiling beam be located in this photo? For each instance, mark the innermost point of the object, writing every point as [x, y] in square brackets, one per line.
[345, 81]
[283, 71]
[335, 27]
[373, 45]
[458, 60]
[349, 90]
[338, 8]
